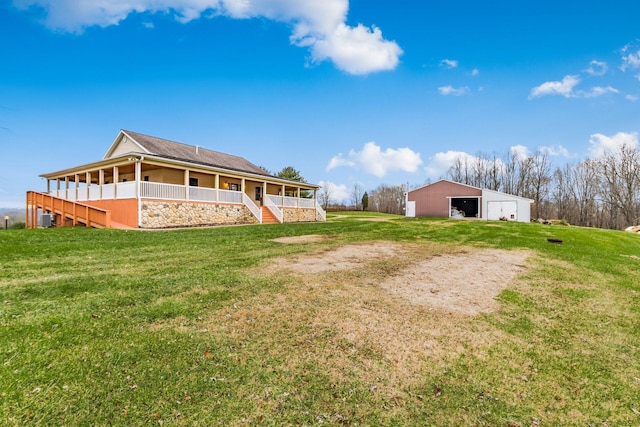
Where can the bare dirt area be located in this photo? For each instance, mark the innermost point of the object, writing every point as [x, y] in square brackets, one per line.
[466, 282]
[379, 312]
[343, 258]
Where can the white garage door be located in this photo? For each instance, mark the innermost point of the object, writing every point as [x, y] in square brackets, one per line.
[506, 209]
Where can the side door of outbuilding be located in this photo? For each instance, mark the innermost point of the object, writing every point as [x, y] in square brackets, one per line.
[499, 209]
[410, 209]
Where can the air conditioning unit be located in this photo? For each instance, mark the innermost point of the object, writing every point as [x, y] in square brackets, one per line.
[47, 220]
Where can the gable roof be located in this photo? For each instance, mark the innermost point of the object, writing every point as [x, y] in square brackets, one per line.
[472, 187]
[446, 180]
[189, 153]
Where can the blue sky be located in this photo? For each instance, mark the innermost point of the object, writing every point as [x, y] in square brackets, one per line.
[363, 91]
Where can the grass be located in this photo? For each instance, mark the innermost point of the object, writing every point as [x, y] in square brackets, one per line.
[187, 327]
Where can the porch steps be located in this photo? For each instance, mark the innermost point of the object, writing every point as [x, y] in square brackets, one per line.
[268, 217]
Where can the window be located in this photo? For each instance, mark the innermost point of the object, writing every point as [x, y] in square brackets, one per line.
[193, 182]
[234, 187]
[258, 193]
[146, 178]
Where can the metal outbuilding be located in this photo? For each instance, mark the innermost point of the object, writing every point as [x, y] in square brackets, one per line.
[449, 199]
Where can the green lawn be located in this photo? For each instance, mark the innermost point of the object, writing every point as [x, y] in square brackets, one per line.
[192, 327]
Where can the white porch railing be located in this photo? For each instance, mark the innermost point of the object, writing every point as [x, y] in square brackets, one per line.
[255, 210]
[156, 190]
[229, 196]
[201, 194]
[321, 212]
[275, 210]
[109, 191]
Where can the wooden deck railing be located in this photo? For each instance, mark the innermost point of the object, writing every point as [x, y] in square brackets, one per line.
[76, 213]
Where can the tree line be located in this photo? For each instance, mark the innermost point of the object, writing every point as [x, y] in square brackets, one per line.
[601, 192]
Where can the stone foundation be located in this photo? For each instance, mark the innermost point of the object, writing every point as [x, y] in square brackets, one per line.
[300, 215]
[184, 214]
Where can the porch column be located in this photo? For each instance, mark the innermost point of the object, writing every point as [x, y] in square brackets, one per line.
[66, 187]
[217, 186]
[116, 171]
[282, 194]
[77, 190]
[57, 187]
[100, 182]
[186, 184]
[48, 186]
[137, 172]
[242, 186]
[264, 191]
[298, 201]
[87, 178]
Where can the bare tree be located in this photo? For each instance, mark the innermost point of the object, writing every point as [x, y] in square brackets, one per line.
[356, 195]
[325, 195]
[538, 179]
[620, 171]
[388, 199]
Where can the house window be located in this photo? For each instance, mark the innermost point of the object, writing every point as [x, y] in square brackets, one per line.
[234, 187]
[146, 178]
[193, 182]
[258, 193]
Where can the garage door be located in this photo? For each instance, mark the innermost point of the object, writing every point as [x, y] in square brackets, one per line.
[506, 209]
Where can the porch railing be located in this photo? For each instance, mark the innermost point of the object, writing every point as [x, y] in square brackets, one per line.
[275, 210]
[255, 210]
[321, 212]
[161, 191]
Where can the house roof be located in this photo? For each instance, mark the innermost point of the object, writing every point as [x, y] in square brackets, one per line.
[189, 153]
[139, 145]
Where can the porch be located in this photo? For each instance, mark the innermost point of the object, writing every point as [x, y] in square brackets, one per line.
[149, 182]
[156, 202]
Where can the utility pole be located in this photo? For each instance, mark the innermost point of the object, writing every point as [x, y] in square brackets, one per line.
[6, 222]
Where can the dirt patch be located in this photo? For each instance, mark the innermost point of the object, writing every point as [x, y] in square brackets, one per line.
[343, 258]
[309, 238]
[467, 283]
[382, 314]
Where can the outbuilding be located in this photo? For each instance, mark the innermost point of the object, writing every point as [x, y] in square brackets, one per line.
[449, 199]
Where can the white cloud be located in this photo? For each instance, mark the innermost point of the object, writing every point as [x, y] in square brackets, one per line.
[449, 63]
[450, 90]
[519, 151]
[337, 193]
[377, 162]
[564, 88]
[555, 151]
[632, 98]
[597, 68]
[318, 25]
[440, 163]
[475, 72]
[601, 144]
[630, 60]
[598, 91]
[356, 50]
